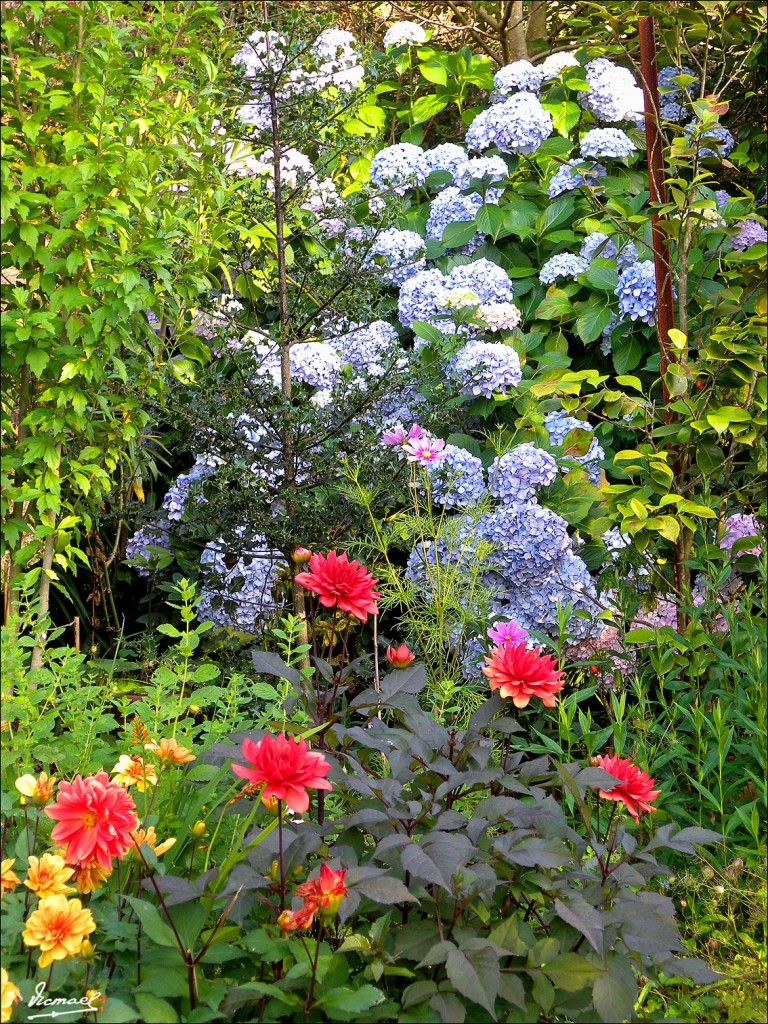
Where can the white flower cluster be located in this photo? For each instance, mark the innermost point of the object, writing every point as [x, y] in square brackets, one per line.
[404, 33]
[518, 125]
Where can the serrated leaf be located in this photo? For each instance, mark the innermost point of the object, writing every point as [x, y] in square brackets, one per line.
[384, 889]
[613, 999]
[584, 918]
[456, 235]
[475, 976]
[571, 972]
[592, 322]
[270, 664]
[153, 1008]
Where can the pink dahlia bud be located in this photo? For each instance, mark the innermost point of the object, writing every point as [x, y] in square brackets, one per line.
[400, 657]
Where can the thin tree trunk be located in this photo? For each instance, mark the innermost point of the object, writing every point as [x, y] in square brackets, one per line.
[537, 24]
[18, 506]
[514, 43]
[288, 438]
[44, 592]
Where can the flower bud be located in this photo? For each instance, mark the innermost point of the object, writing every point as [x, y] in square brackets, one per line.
[400, 657]
[198, 829]
[720, 890]
[87, 950]
[301, 556]
[270, 802]
[707, 872]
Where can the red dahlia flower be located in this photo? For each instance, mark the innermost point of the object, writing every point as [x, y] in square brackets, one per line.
[95, 819]
[518, 673]
[400, 657]
[636, 789]
[341, 584]
[287, 767]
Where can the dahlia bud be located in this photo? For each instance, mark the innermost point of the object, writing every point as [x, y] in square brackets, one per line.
[87, 950]
[707, 872]
[301, 556]
[198, 829]
[400, 657]
[270, 802]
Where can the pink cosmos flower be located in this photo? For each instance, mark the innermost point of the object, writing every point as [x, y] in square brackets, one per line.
[399, 436]
[425, 450]
[507, 633]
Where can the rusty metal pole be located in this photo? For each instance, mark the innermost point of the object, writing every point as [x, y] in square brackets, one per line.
[665, 314]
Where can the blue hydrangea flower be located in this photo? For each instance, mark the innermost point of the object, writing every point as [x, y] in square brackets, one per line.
[483, 368]
[398, 168]
[261, 52]
[518, 125]
[598, 245]
[606, 142]
[636, 292]
[420, 296]
[613, 92]
[178, 493]
[558, 425]
[750, 233]
[366, 347]
[150, 535]
[616, 541]
[605, 343]
[722, 197]
[716, 135]
[492, 168]
[529, 540]
[400, 252]
[489, 281]
[451, 207]
[567, 178]
[519, 76]
[671, 89]
[245, 590]
[627, 256]
[337, 61]
[571, 582]
[515, 477]
[446, 157]
[457, 480]
[315, 363]
[563, 264]
[675, 111]
[472, 654]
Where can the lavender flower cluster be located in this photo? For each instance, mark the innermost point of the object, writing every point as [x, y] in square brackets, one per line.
[558, 425]
[457, 479]
[519, 76]
[240, 597]
[750, 233]
[636, 292]
[563, 264]
[483, 368]
[421, 295]
[606, 142]
[518, 125]
[516, 476]
[613, 93]
[567, 178]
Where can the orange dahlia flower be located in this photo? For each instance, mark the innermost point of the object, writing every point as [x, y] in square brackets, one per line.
[9, 994]
[636, 790]
[37, 789]
[341, 584]
[291, 920]
[95, 819]
[48, 875]
[58, 927]
[133, 771]
[170, 751]
[149, 838]
[8, 877]
[287, 767]
[520, 673]
[324, 894]
[90, 876]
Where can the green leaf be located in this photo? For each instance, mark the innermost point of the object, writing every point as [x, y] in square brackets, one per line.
[428, 332]
[37, 360]
[628, 381]
[554, 305]
[592, 322]
[456, 235]
[571, 972]
[434, 73]
[426, 107]
[154, 1009]
[152, 925]
[554, 214]
[489, 219]
[475, 975]
[613, 999]
[350, 1001]
[604, 279]
[627, 353]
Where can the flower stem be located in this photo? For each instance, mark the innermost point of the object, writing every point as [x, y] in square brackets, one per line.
[280, 858]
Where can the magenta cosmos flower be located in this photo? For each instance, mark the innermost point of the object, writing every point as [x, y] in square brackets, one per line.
[95, 819]
[399, 436]
[287, 767]
[507, 633]
[425, 449]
